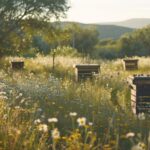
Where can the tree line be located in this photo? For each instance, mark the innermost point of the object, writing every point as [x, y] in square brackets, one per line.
[26, 29]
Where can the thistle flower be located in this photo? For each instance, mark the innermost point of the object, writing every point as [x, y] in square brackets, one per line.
[81, 121]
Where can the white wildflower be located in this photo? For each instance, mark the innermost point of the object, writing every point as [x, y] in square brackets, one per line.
[55, 134]
[52, 120]
[5, 116]
[20, 94]
[2, 93]
[90, 123]
[10, 91]
[17, 107]
[37, 121]
[39, 109]
[42, 116]
[17, 97]
[139, 146]
[22, 101]
[141, 116]
[73, 114]
[130, 134]
[81, 121]
[43, 127]
[3, 97]
[53, 103]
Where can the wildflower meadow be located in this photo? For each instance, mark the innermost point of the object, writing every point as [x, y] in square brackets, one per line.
[44, 108]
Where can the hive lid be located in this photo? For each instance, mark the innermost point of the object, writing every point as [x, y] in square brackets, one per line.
[139, 79]
[126, 59]
[86, 65]
[17, 61]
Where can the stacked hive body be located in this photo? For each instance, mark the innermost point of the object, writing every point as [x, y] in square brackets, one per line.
[86, 71]
[17, 65]
[130, 64]
[140, 93]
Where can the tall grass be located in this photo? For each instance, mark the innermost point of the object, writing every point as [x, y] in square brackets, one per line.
[32, 97]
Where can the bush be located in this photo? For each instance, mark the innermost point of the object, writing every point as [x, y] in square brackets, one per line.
[65, 51]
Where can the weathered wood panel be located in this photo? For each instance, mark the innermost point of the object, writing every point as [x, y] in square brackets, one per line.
[130, 64]
[141, 94]
[86, 71]
[17, 65]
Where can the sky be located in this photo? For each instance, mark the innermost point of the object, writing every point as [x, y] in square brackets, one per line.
[99, 11]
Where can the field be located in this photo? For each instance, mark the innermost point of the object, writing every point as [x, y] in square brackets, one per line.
[42, 108]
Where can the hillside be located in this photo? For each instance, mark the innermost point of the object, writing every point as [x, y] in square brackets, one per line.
[106, 31]
[132, 23]
[112, 31]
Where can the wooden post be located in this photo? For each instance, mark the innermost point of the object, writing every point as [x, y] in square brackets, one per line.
[54, 53]
[140, 93]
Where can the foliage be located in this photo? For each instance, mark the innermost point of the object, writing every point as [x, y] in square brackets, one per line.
[40, 44]
[133, 44]
[106, 31]
[83, 39]
[14, 11]
[41, 111]
[65, 51]
[107, 49]
[136, 43]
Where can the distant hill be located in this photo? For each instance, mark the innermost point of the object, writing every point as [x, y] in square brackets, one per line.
[106, 31]
[112, 31]
[132, 23]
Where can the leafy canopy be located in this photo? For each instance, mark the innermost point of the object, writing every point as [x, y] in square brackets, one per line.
[42, 9]
[13, 12]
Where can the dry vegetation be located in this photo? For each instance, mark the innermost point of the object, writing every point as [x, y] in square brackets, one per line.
[44, 109]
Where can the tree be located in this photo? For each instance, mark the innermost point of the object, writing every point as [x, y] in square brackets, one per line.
[12, 12]
[82, 39]
[136, 43]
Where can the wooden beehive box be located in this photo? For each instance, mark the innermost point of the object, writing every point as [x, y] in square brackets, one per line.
[17, 65]
[86, 71]
[140, 93]
[130, 64]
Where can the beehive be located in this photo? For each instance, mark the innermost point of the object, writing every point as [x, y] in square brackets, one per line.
[17, 65]
[130, 64]
[86, 71]
[140, 93]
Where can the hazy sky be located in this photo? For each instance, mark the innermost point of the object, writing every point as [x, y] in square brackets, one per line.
[90, 11]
